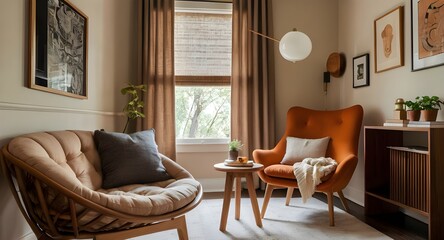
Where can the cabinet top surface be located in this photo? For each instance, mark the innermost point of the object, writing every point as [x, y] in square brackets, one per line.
[393, 128]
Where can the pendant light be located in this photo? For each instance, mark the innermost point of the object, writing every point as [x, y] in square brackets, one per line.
[294, 46]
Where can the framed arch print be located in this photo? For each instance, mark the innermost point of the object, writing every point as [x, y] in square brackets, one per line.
[427, 34]
[58, 49]
[389, 40]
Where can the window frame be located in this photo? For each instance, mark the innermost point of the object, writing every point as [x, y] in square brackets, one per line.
[209, 81]
[212, 144]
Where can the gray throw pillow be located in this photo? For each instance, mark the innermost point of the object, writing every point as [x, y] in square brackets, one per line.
[129, 158]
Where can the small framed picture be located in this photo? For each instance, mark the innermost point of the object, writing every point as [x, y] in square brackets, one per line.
[389, 40]
[361, 74]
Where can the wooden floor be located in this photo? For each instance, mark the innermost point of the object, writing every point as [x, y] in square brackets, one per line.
[398, 226]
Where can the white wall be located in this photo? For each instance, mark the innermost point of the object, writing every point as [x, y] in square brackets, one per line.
[356, 18]
[301, 83]
[112, 61]
[199, 160]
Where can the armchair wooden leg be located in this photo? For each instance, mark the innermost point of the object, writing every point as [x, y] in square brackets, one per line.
[330, 208]
[344, 201]
[289, 195]
[268, 190]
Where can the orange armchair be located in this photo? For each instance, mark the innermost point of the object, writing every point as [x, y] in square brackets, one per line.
[342, 126]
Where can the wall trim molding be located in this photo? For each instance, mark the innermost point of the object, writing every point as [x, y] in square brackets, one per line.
[38, 108]
[29, 236]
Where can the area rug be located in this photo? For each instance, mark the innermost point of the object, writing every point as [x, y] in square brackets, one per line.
[297, 221]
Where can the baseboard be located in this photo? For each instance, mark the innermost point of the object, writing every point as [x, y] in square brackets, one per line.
[28, 236]
[415, 215]
[212, 184]
[355, 195]
[218, 184]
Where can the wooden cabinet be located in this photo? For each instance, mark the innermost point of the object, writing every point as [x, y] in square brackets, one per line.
[404, 169]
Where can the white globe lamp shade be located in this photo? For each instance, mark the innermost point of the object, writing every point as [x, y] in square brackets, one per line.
[295, 46]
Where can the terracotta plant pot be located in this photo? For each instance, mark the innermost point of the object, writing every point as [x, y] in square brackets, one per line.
[413, 115]
[429, 115]
[232, 155]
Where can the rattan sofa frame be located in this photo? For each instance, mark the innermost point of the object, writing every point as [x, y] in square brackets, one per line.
[26, 183]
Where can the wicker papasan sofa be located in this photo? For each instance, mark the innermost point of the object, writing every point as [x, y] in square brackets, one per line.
[57, 180]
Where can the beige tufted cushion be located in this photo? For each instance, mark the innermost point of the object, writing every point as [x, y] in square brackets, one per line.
[71, 159]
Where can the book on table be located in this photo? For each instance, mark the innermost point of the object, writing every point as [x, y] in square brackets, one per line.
[407, 123]
[437, 124]
[396, 123]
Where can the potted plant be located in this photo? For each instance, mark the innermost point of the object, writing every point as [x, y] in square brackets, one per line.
[429, 107]
[413, 109]
[233, 149]
[134, 107]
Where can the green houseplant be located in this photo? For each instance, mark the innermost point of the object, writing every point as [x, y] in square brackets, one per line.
[134, 107]
[413, 109]
[429, 107]
[233, 149]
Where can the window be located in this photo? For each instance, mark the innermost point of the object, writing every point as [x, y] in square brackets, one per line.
[202, 42]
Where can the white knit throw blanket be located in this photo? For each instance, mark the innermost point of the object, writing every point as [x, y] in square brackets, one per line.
[309, 172]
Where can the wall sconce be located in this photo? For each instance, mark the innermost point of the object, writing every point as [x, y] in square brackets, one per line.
[326, 81]
[335, 67]
[293, 46]
[336, 64]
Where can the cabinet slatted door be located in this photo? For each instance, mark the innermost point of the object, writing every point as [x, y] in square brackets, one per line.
[397, 176]
[408, 179]
[416, 175]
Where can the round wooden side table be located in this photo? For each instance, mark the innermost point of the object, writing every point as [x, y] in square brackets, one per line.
[237, 173]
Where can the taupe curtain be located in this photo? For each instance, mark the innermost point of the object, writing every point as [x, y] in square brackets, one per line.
[252, 85]
[156, 70]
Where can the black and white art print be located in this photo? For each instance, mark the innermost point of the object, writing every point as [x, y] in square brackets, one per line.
[361, 74]
[58, 32]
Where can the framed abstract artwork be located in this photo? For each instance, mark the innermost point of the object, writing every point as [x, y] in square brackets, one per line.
[389, 40]
[58, 48]
[427, 34]
[361, 74]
